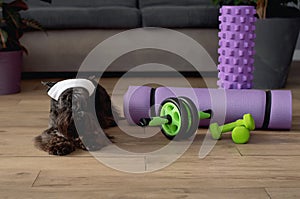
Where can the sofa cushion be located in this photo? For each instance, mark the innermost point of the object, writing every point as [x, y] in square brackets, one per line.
[180, 16]
[84, 3]
[83, 17]
[150, 3]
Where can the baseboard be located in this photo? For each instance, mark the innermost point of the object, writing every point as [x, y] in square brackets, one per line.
[68, 75]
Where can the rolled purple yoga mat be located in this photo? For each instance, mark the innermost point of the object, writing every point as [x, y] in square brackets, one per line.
[270, 109]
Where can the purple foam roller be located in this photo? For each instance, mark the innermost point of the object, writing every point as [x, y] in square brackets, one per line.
[270, 109]
[236, 51]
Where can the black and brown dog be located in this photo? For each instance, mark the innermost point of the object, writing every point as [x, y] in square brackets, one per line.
[77, 119]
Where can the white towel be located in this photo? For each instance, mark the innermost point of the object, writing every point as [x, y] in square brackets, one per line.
[56, 90]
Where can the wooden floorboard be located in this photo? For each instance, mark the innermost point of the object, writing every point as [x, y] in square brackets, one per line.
[123, 193]
[279, 193]
[267, 167]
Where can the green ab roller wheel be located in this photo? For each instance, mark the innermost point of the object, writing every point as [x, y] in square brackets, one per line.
[178, 118]
[178, 115]
[184, 118]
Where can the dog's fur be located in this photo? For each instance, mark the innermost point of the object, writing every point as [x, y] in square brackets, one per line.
[72, 123]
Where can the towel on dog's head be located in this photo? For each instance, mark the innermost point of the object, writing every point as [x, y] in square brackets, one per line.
[58, 88]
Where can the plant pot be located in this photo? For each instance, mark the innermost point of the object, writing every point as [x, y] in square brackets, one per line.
[236, 52]
[276, 39]
[10, 72]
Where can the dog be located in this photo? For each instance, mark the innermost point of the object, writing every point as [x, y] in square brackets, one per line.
[78, 115]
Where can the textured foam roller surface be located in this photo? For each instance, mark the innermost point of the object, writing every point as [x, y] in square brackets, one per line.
[236, 51]
[232, 104]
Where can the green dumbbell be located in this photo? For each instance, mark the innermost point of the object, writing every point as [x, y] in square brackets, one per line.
[240, 129]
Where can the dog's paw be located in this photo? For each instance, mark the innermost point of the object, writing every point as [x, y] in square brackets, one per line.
[60, 146]
[78, 144]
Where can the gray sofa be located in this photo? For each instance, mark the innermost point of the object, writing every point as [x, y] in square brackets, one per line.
[75, 27]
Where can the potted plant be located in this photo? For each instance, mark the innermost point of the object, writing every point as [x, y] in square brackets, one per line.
[277, 31]
[12, 27]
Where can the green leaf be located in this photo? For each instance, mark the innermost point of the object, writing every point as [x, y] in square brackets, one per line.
[18, 5]
[23, 49]
[11, 16]
[31, 23]
[216, 2]
[3, 38]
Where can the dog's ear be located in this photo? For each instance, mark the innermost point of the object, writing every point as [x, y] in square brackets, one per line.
[94, 79]
[48, 84]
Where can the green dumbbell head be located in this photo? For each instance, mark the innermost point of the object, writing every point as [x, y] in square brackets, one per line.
[215, 131]
[248, 122]
[240, 135]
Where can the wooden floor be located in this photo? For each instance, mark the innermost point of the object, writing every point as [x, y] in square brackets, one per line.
[267, 167]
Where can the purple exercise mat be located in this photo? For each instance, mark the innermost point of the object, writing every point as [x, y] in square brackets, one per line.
[272, 110]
